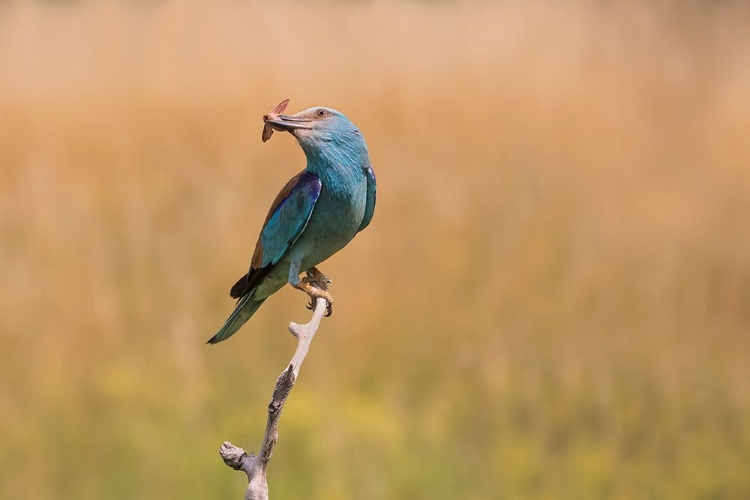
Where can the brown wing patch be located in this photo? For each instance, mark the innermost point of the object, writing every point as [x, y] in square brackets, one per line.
[258, 253]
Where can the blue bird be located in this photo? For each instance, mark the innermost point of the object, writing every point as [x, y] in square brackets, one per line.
[314, 216]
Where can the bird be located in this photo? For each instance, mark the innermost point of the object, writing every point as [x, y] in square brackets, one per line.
[316, 214]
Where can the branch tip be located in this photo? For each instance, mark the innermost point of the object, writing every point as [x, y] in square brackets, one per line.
[232, 455]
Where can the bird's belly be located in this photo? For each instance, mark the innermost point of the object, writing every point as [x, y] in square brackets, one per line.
[334, 222]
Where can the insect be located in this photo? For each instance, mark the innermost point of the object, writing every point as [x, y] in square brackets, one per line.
[272, 115]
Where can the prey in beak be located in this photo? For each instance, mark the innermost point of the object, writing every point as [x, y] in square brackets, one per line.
[273, 120]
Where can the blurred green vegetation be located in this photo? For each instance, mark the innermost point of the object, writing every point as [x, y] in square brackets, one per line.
[553, 300]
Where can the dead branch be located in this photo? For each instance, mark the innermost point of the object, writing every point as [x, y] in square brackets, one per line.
[255, 466]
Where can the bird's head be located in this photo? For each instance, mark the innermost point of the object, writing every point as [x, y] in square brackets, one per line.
[319, 128]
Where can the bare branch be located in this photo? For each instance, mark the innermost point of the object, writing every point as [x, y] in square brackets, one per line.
[255, 465]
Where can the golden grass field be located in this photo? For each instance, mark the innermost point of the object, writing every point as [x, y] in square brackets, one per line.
[552, 302]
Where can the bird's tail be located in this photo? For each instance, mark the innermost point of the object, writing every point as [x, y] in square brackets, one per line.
[245, 308]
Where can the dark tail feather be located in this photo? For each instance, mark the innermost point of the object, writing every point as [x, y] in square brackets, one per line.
[248, 282]
[245, 308]
[240, 288]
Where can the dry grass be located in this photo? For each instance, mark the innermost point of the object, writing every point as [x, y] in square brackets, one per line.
[553, 300]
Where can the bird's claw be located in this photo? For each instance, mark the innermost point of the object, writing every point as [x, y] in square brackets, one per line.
[317, 279]
[329, 307]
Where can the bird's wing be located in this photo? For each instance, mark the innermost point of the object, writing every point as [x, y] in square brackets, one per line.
[371, 192]
[287, 218]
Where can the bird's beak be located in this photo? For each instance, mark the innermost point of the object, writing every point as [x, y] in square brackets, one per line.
[287, 123]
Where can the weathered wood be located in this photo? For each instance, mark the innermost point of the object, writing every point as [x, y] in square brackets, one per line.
[255, 466]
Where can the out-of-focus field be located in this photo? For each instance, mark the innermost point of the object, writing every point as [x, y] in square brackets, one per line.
[552, 302]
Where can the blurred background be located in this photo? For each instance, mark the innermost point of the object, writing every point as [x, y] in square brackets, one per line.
[552, 302]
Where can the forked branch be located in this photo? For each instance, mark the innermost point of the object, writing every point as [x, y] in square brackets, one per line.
[255, 466]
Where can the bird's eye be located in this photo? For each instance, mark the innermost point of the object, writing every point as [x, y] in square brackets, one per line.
[322, 113]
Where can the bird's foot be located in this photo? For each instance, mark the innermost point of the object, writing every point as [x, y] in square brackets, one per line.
[315, 284]
[317, 278]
